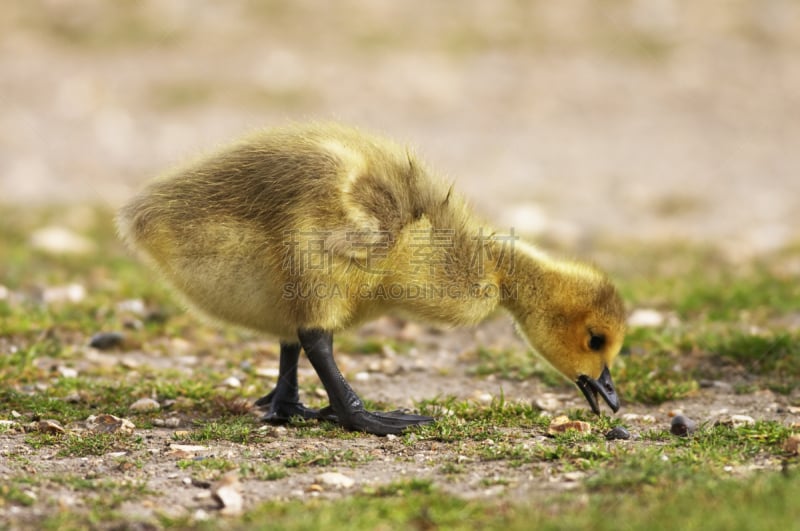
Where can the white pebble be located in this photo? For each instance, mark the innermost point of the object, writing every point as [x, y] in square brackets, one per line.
[134, 306]
[742, 420]
[227, 492]
[232, 381]
[547, 402]
[646, 317]
[267, 372]
[482, 397]
[335, 479]
[145, 404]
[68, 372]
[60, 240]
[105, 423]
[73, 293]
[187, 448]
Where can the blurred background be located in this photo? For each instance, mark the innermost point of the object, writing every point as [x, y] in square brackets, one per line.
[573, 121]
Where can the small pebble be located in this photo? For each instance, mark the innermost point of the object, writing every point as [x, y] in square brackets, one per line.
[69, 293]
[134, 306]
[60, 240]
[132, 324]
[682, 426]
[562, 424]
[145, 404]
[646, 318]
[129, 363]
[49, 426]
[227, 493]
[618, 433]
[482, 397]
[792, 444]
[68, 372]
[106, 340]
[105, 423]
[186, 450]
[233, 382]
[547, 402]
[742, 420]
[716, 384]
[267, 372]
[73, 398]
[734, 421]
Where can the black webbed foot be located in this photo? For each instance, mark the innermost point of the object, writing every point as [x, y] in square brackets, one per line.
[281, 412]
[346, 408]
[389, 423]
[283, 402]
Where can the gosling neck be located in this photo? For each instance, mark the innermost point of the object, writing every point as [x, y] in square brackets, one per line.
[522, 275]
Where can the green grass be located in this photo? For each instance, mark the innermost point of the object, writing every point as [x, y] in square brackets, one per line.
[768, 502]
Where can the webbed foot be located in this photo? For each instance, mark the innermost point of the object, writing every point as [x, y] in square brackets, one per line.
[283, 402]
[386, 423]
[346, 407]
[282, 411]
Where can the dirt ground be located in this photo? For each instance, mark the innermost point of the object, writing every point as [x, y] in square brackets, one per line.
[574, 122]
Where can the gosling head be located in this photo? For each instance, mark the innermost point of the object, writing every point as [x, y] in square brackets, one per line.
[578, 326]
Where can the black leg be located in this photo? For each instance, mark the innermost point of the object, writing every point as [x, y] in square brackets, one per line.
[283, 402]
[348, 408]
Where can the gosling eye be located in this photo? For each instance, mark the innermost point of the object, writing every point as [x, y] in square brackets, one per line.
[597, 342]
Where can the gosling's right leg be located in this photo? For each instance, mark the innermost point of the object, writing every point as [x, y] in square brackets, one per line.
[346, 406]
[283, 402]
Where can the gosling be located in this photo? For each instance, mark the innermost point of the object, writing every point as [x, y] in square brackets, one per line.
[306, 230]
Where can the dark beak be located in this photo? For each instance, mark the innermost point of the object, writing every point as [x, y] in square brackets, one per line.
[603, 386]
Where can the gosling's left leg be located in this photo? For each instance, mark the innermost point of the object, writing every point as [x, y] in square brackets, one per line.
[347, 407]
[283, 402]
